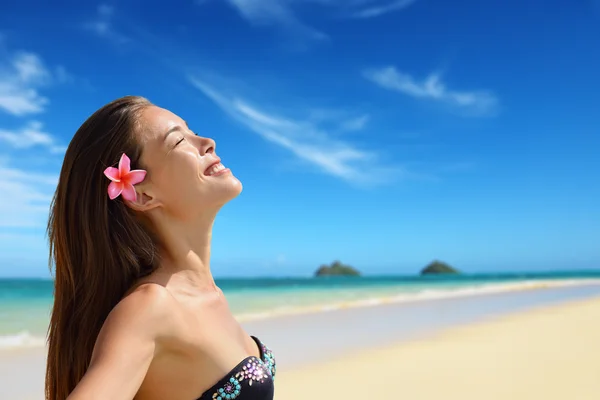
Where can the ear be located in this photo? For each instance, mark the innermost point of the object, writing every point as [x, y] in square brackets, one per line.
[145, 200]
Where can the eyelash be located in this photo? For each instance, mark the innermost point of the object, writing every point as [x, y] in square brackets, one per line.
[183, 138]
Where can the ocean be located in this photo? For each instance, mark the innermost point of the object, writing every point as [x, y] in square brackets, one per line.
[25, 303]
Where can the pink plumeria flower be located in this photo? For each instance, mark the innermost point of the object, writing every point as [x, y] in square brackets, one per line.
[123, 179]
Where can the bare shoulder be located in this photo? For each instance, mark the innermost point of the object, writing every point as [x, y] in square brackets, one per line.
[148, 309]
[129, 340]
[142, 316]
[147, 299]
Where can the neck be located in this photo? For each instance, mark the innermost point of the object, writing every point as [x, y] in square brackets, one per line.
[185, 250]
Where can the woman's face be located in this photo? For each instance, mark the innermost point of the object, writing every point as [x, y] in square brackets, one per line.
[185, 175]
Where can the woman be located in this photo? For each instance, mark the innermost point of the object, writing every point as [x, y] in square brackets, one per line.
[136, 311]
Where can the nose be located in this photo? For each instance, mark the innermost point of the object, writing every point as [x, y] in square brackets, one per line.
[206, 146]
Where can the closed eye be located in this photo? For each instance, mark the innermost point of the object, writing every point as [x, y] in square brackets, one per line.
[179, 141]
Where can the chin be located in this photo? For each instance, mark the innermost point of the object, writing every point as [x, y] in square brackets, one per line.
[227, 189]
[237, 185]
[234, 188]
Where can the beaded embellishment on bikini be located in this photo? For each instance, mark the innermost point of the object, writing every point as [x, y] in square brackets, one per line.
[253, 370]
[269, 360]
[251, 379]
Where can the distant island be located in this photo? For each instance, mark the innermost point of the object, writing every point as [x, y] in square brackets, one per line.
[336, 268]
[438, 267]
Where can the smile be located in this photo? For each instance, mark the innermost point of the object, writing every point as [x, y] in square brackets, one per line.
[215, 169]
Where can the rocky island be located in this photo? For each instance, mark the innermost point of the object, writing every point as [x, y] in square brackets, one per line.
[438, 267]
[336, 268]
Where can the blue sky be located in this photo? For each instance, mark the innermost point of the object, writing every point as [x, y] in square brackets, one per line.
[380, 132]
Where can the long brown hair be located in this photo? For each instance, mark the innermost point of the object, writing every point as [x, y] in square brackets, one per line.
[97, 246]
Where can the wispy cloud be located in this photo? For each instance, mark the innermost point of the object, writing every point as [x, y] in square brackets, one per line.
[21, 76]
[338, 120]
[283, 12]
[31, 135]
[26, 197]
[269, 12]
[356, 124]
[62, 76]
[102, 25]
[380, 9]
[477, 102]
[30, 68]
[305, 140]
[26, 194]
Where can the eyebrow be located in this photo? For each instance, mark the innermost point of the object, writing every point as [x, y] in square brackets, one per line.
[174, 129]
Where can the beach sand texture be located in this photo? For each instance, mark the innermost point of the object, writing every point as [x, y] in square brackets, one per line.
[549, 353]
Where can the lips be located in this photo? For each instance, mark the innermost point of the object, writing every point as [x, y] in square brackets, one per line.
[214, 168]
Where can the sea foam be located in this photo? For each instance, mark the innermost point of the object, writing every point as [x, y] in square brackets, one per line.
[25, 339]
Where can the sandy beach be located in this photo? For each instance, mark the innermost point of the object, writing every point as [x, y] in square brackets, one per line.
[535, 344]
[549, 353]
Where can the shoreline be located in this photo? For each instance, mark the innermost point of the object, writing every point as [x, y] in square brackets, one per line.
[304, 339]
[315, 339]
[549, 352]
[25, 339]
[425, 295]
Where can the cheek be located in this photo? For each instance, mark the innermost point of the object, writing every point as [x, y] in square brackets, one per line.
[188, 163]
[182, 178]
[179, 183]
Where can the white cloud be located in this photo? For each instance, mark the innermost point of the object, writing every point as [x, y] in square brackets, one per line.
[476, 102]
[30, 68]
[102, 25]
[304, 139]
[338, 120]
[282, 12]
[26, 197]
[30, 135]
[22, 75]
[266, 12]
[380, 9]
[105, 10]
[20, 79]
[62, 76]
[26, 194]
[356, 124]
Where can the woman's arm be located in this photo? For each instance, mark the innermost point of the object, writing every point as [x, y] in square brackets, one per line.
[126, 345]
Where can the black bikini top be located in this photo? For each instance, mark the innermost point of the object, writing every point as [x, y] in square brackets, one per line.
[251, 379]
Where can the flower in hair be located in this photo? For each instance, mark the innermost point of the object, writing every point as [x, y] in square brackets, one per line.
[123, 179]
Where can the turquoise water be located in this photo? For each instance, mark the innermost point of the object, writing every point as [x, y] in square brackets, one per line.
[25, 303]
